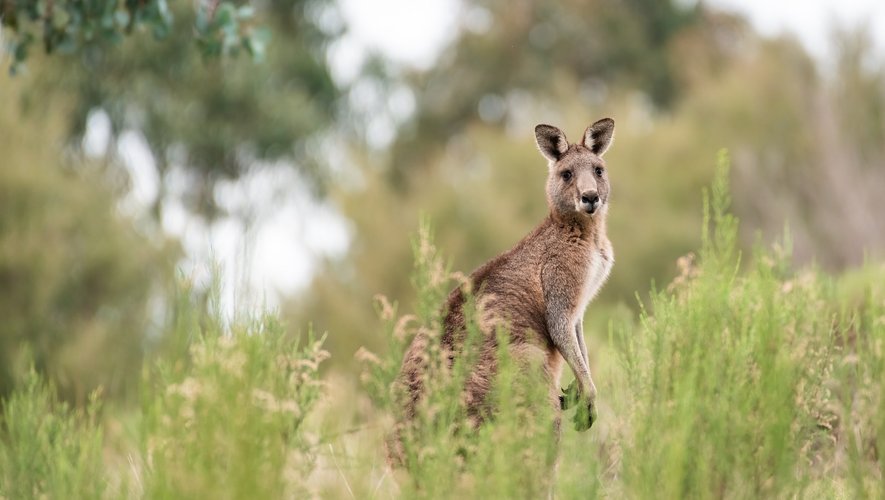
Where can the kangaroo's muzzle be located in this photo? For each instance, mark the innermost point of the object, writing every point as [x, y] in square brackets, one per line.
[589, 201]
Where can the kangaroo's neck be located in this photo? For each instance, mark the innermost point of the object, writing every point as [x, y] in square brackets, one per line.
[580, 226]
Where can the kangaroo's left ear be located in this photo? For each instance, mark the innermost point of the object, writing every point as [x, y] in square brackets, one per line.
[598, 137]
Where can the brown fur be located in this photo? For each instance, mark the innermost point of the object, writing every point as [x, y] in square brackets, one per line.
[538, 289]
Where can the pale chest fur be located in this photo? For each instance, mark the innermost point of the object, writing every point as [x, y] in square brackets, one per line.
[598, 267]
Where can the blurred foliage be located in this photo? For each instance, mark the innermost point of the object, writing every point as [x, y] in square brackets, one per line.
[517, 51]
[66, 26]
[76, 278]
[83, 286]
[211, 118]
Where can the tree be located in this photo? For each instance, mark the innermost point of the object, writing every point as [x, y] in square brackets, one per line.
[76, 278]
[216, 118]
[69, 26]
[523, 46]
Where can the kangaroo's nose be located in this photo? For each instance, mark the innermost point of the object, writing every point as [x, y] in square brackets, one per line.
[589, 201]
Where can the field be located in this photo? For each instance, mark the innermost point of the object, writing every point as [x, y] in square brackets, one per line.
[743, 378]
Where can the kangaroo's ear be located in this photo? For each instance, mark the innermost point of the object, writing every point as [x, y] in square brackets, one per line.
[598, 137]
[551, 141]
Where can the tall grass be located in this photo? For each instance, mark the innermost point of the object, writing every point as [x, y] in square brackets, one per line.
[225, 421]
[728, 374]
[221, 417]
[48, 448]
[744, 378]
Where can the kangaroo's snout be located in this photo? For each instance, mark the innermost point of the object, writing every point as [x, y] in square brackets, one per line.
[589, 201]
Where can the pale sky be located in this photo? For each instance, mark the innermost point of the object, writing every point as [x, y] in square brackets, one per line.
[413, 32]
[280, 253]
[811, 20]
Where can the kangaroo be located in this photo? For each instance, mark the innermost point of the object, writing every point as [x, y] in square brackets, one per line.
[538, 290]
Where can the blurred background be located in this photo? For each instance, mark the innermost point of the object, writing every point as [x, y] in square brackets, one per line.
[297, 181]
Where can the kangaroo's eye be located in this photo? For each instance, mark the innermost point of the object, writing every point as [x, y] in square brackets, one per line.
[566, 175]
[599, 171]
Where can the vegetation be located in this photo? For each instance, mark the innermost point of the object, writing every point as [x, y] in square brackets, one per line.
[752, 367]
[66, 27]
[741, 379]
[224, 418]
[76, 278]
[204, 119]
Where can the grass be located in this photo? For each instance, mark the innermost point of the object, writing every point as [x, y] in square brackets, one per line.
[743, 378]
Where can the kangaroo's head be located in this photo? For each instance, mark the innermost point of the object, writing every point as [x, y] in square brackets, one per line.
[578, 182]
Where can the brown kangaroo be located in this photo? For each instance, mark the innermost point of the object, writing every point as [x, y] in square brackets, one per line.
[539, 289]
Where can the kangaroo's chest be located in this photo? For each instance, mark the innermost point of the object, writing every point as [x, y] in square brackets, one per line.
[598, 266]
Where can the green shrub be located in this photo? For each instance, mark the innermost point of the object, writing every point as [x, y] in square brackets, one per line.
[732, 376]
[48, 449]
[76, 281]
[225, 421]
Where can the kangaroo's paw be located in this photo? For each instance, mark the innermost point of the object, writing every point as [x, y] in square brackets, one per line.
[585, 415]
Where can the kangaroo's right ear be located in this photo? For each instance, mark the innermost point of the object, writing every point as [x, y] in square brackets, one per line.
[551, 141]
[598, 137]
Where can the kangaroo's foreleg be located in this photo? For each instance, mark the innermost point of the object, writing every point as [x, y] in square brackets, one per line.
[579, 333]
[568, 339]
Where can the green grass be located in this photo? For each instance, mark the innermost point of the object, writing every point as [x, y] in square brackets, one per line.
[47, 447]
[744, 378]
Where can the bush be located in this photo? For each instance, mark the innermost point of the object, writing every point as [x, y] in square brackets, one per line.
[76, 282]
[747, 381]
[48, 449]
[226, 421]
[223, 420]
